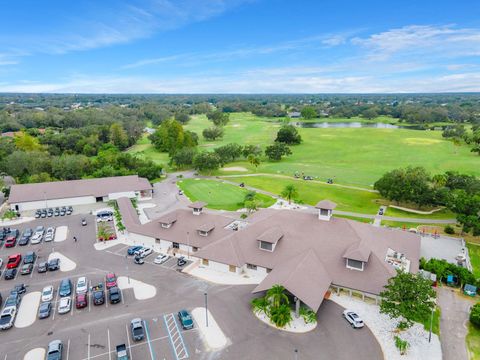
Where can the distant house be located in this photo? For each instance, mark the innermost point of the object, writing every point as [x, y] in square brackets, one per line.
[294, 115]
[148, 130]
[11, 134]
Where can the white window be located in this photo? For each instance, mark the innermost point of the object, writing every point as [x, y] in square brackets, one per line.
[324, 212]
[203, 233]
[251, 267]
[355, 264]
[166, 226]
[266, 246]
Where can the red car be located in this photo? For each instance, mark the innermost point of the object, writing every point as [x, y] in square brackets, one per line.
[10, 241]
[14, 261]
[81, 301]
[110, 280]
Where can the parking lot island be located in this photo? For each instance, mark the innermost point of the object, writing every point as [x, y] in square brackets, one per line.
[27, 313]
[212, 334]
[66, 264]
[35, 354]
[141, 290]
[61, 233]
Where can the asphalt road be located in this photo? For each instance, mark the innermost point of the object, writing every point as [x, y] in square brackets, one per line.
[93, 332]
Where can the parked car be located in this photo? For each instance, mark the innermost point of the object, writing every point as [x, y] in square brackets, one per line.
[185, 319]
[352, 317]
[39, 230]
[139, 260]
[38, 213]
[10, 241]
[47, 293]
[181, 261]
[36, 238]
[160, 259]
[144, 252]
[121, 351]
[50, 234]
[98, 296]
[306, 177]
[65, 288]
[26, 269]
[55, 350]
[44, 310]
[65, 305]
[110, 280]
[50, 212]
[380, 212]
[63, 211]
[42, 267]
[10, 274]
[18, 290]
[1, 263]
[104, 216]
[81, 300]
[56, 212]
[14, 261]
[69, 210]
[137, 330]
[84, 222]
[27, 234]
[53, 264]
[131, 250]
[7, 317]
[114, 295]
[43, 213]
[82, 285]
[30, 257]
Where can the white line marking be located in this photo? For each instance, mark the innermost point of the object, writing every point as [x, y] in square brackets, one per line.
[128, 342]
[68, 348]
[109, 349]
[88, 349]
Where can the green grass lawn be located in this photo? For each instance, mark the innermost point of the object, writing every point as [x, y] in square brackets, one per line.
[219, 195]
[435, 322]
[473, 342]
[474, 252]
[144, 149]
[310, 193]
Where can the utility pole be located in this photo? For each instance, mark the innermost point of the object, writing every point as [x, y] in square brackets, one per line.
[206, 310]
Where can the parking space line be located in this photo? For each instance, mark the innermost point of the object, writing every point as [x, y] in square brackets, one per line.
[176, 338]
[88, 348]
[128, 342]
[109, 348]
[121, 295]
[55, 304]
[5, 357]
[106, 300]
[68, 348]
[89, 299]
[147, 332]
[33, 268]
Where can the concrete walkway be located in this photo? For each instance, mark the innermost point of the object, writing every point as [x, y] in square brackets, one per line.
[455, 311]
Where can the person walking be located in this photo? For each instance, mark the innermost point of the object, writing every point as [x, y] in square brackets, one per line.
[75, 238]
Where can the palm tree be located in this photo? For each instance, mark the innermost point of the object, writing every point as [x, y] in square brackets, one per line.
[289, 192]
[253, 160]
[260, 305]
[281, 315]
[276, 295]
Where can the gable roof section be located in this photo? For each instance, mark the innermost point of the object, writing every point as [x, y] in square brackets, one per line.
[358, 251]
[77, 188]
[206, 227]
[168, 218]
[128, 212]
[271, 235]
[197, 205]
[326, 204]
[303, 275]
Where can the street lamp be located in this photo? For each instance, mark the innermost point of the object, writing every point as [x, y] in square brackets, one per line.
[188, 245]
[206, 309]
[295, 352]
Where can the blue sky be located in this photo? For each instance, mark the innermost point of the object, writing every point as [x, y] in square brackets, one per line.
[239, 46]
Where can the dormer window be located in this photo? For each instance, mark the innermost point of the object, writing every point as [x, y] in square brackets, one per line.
[268, 240]
[355, 264]
[168, 220]
[205, 229]
[197, 207]
[325, 209]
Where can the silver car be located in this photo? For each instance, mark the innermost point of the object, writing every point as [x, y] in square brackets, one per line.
[65, 305]
[352, 317]
[55, 350]
[50, 234]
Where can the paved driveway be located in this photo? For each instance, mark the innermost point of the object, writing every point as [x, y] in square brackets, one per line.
[455, 312]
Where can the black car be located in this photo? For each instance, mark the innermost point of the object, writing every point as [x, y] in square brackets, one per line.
[44, 310]
[42, 267]
[98, 296]
[29, 257]
[114, 295]
[10, 274]
[23, 241]
[53, 264]
[181, 261]
[140, 260]
[19, 289]
[27, 234]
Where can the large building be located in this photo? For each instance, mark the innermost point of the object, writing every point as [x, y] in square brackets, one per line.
[77, 192]
[306, 253]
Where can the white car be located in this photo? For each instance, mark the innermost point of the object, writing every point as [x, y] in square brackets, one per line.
[47, 293]
[36, 238]
[352, 317]
[144, 252]
[82, 285]
[7, 317]
[160, 259]
[1, 263]
[65, 305]
[50, 234]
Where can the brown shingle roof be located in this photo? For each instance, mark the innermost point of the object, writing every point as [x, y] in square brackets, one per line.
[77, 188]
[358, 251]
[128, 212]
[329, 239]
[197, 205]
[326, 204]
[168, 218]
[303, 275]
[271, 235]
[206, 227]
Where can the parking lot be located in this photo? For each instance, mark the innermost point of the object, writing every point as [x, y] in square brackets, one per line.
[94, 331]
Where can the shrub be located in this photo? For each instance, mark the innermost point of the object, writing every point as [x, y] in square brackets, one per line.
[401, 345]
[308, 315]
[449, 230]
[475, 315]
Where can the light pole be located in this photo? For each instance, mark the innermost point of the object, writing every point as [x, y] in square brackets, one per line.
[431, 325]
[206, 309]
[295, 352]
[188, 245]
[45, 197]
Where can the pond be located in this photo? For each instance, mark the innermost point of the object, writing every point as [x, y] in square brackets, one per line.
[355, 124]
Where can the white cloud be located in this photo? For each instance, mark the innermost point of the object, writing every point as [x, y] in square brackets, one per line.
[443, 41]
